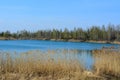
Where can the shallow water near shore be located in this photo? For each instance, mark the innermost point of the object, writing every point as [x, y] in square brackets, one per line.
[78, 50]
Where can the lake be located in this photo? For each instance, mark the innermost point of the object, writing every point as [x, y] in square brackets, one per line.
[82, 50]
[25, 45]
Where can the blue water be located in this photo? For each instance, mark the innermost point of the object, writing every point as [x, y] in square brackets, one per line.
[83, 48]
[25, 45]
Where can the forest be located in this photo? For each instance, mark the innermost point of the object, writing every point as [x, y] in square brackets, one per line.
[96, 33]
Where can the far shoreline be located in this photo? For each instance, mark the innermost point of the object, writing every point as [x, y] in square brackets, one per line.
[69, 40]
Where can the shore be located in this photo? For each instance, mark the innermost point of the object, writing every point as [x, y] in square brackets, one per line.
[69, 40]
[10, 38]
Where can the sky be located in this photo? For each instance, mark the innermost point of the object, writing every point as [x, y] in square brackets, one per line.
[34, 15]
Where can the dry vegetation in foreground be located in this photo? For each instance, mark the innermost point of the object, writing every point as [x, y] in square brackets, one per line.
[107, 63]
[34, 65]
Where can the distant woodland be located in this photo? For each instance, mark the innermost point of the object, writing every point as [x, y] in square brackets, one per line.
[95, 33]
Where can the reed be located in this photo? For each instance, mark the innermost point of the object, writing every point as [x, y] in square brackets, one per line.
[53, 65]
[107, 63]
[30, 65]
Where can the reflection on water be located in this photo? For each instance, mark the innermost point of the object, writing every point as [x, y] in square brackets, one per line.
[84, 56]
[87, 58]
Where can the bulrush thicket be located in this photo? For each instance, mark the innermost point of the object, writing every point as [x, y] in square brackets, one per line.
[50, 65]
[37, 66]
[107, 63]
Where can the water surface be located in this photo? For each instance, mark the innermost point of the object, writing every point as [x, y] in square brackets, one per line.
[26, 45]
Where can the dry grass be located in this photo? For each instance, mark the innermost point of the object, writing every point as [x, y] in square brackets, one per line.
[107, 63]
[37, 66]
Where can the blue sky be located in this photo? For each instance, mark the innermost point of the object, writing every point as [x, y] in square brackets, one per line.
[47, 14]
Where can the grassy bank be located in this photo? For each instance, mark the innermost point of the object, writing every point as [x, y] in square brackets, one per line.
[37, 65]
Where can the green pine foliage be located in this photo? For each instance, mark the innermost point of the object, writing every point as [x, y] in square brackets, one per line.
[96, 33]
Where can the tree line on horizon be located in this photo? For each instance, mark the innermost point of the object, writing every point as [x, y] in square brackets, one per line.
[96, 33]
